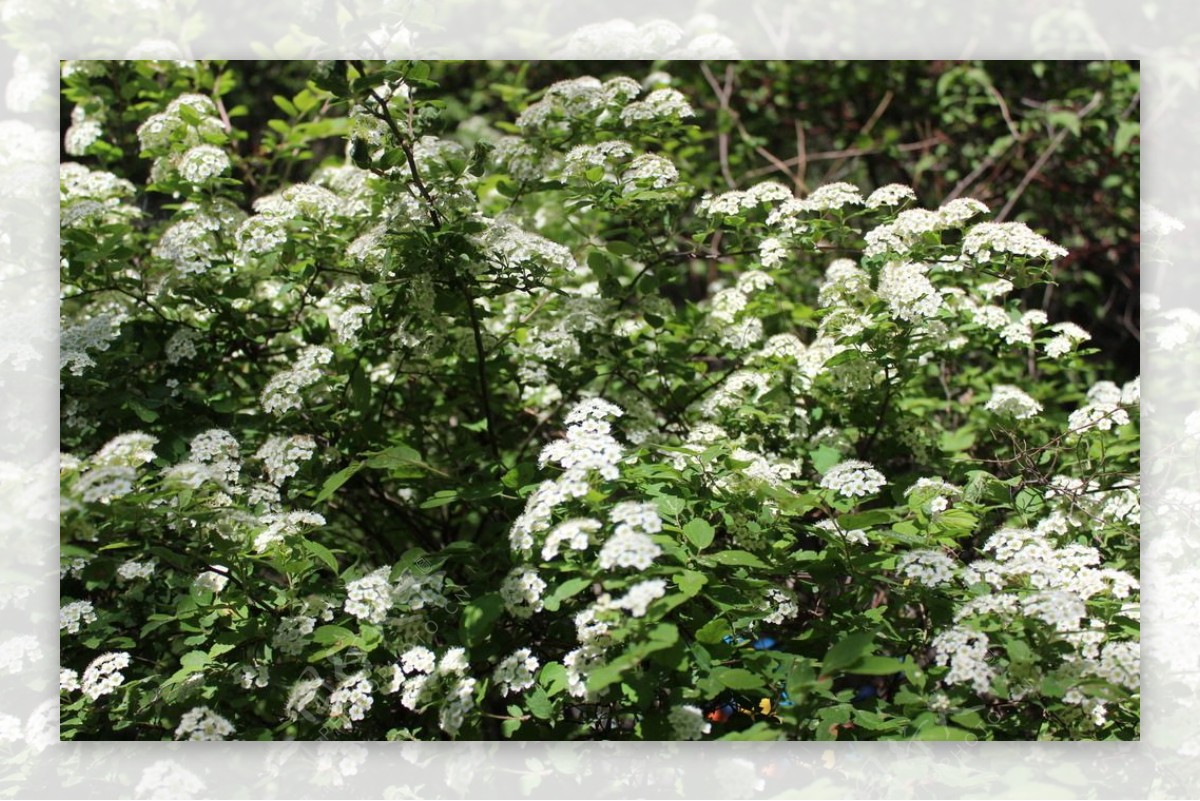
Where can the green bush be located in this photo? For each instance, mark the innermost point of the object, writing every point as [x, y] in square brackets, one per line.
[434, 401]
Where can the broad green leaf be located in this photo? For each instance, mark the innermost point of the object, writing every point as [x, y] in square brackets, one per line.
[553, 677]
[568, 589]
[736, 558]
[539, 704]
[943, 733]
[699, 533]
[689, 581]
[335, 482]
[321, 552]
[327, 635]
[738, 678]
[714, 631]
[479, 615]
[846, 652]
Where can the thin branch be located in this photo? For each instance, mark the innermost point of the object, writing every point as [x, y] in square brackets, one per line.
[723, 95]
[1055, 143]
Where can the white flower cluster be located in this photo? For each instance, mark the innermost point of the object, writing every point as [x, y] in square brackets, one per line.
[639, 597]
[909, 293]
[301, 201]
[649, 169]
[414, 590]
[668, 105]
[93, 196]
[780, 605]
[522, 254]
[417, 676]
[854, 536]
[370, 597]
[220, 452]
[741, 387]
[1068, 335]
[964, 650]
[1012, 402]
[251, 676]
[352, 700]
[909, 227]
[203, 163]
[575, 534]
[126, 450]
[283, 390]
[459, 701]
[281, 456]
[737, 202]
[279, 526]
[201, 723]
[73, 616]
[630, 545]
[788, 217]
[1103, 409]
[516, 672]
[132, 570]
[522, 591]
[84, 131]
[602, 157]
[347, 308]
[103, 675]
[571, 103]
[579, 664]
[588, 444]
[93, 334]
[1013, 238]
[688, 722]
[169, 129]
[929, 567]
[933, 494]
[853, 479]
[291, 635]
[890, 195]
[302, 693]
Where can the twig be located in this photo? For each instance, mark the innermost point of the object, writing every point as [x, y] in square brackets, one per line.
[826, 155]
[1012, 126]
[722, 135]
[1055, 143]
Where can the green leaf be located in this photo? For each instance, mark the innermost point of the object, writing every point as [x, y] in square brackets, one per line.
[328, 635]
[943, 733]
[321, 552]
[738, 678]
[335, 482]
[846, 652]
[1126, 131]
[194, 660]
[539, 704]
[954, 441]
[220, 649]
[699, 533]
[553, 678]
[479, 615]
[736, 558]
[440, 498]
[880, 666]
[399, 459]
[562, 592]
[620, 248]
[689, 581]
[669, 505]
[714, 631]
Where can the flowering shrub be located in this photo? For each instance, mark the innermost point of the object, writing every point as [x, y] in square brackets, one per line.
[508, 429]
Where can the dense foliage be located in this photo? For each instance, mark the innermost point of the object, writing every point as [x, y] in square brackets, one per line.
[435, 401]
